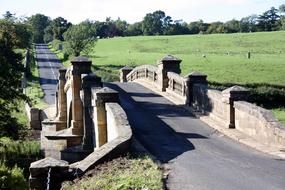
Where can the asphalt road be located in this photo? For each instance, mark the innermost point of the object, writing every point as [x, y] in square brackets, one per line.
[48, 65]
[198, 156]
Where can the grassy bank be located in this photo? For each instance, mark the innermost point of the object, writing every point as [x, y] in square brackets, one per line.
[122, 173]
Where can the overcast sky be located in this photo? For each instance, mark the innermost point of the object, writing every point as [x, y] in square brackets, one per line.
[134, 10]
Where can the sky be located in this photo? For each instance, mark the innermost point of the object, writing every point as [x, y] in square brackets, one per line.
[132, 11]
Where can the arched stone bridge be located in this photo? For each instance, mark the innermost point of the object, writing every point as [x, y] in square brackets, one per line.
[151, 104]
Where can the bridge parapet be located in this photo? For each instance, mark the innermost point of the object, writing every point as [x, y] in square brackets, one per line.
[89, 121]
[222, 107]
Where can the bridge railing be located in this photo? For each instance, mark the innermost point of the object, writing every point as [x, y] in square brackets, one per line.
[143, 72]
[178, 86]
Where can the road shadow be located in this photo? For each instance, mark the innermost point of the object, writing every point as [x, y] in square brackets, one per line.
[49, 67]
[48, 60]
[44, 81]
[157, 136]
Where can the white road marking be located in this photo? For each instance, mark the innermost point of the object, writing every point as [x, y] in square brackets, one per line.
[50, 66]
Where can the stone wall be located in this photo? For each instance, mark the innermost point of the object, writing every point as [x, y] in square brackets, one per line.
[259, 123]
[119, 139]
[94, 128]
[223, 107]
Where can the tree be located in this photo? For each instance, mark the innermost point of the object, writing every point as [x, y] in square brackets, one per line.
[13, 35]
[59, 25]
[48, 34]
[152, 23]
[198, 27]
[134, 29]
[282, 8]
[269, 20]
[80, 37]
[249, 23]
[232, 26]
[215, 27]
[38, 23]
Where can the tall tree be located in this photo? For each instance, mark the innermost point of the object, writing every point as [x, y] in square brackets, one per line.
[80, 38]
[152, 23]
[269, 20]
[232, 26]
[59, 25]
[38, 23]
[249, 23]
[12, 35]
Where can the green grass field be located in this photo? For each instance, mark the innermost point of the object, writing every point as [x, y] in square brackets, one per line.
[225, 61]
[223, 57]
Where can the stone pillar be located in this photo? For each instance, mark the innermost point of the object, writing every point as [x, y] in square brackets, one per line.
[166, 64]
[124, 72]
[48, 173]
[192, 79]
[89, 81]
[62, 105]
[235, 93]
[35, 119]
[100, 98]
[80, 65]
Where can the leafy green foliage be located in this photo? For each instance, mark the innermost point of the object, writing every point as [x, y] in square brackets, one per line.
[80, 38]
[12, 178]
[38, 23]
[13, 35]
[20, 153]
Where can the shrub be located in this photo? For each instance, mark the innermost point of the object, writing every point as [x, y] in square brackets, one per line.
[12, 178]
[20, 153]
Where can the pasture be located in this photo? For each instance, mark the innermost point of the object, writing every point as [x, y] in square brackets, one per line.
[223, 57]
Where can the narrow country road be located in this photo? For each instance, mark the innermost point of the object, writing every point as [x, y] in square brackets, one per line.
[48, 65]
[198, 156]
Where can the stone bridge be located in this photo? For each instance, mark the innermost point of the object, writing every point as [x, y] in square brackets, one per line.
[163, 110]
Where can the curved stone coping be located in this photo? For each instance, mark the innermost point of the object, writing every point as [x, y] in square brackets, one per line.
[111, 149]
[142, 67]
[263, 119]
[176, 77]
[256, 111]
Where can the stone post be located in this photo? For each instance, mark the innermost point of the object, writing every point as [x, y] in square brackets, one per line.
[62, 105]
[35, 119]
[47, 173]
[166, 64]
[101, 97]
[124, 72]
[235, 93]
[89, 81]
[80, 65]
[192, 79]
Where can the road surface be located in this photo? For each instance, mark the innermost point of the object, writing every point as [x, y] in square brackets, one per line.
[198, 156]
[48, 65]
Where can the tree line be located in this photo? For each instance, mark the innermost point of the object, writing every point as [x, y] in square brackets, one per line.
[156, 23]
